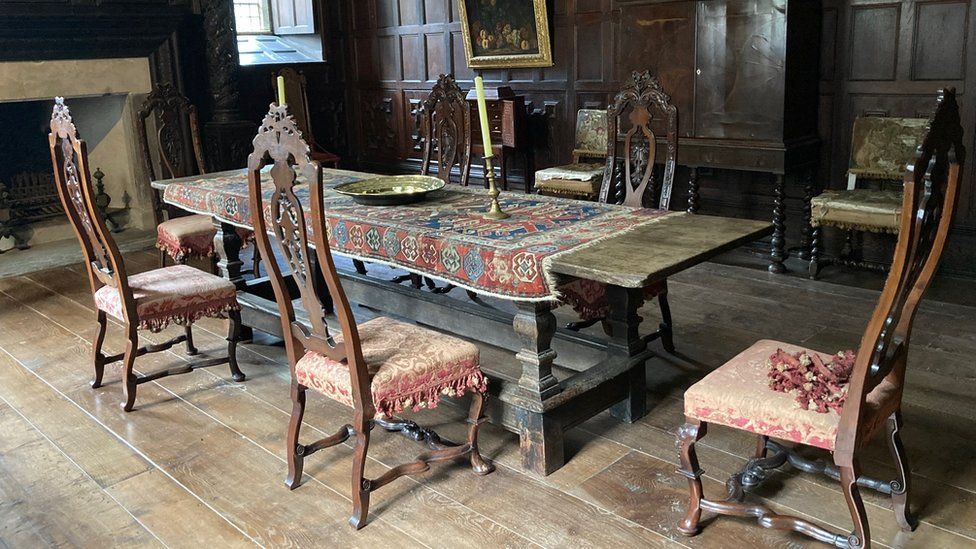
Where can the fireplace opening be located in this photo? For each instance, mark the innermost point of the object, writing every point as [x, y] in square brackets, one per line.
[30, 210]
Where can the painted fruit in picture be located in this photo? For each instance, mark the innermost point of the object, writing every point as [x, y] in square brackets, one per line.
[502, 27]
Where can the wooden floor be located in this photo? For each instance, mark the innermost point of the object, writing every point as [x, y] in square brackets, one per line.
[199, 463]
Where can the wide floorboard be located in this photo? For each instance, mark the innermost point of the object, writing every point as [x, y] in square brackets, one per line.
[200, 461]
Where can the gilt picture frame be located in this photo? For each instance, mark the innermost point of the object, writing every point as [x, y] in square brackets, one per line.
[501, 34]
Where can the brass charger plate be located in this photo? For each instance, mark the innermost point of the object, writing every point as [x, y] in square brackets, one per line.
[390, 190]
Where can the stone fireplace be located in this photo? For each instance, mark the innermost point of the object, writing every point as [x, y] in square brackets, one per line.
[104, 96]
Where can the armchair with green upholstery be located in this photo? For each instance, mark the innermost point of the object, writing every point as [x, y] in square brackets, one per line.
[880, 149]
[580, 179]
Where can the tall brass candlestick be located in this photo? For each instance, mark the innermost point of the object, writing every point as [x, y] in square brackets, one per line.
[495, 210]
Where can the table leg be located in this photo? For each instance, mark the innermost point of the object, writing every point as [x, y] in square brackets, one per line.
[778, 244]
[535, 325]
[540, 436]
[622, 327]
[540, 442]
[228, 244]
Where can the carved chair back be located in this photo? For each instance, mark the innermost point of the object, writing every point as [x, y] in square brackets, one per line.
[629, 182]
[301, 239]
[69, 157]
[882, 146]
[591, 134]
[930, 194]
[296, 97]
[169, 138]
[446, 125]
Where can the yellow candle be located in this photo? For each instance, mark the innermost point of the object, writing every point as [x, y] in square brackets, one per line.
[479, 87]
[281, 91]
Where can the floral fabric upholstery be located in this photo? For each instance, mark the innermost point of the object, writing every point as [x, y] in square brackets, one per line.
[589, 298]
[573, 172]
[591, 132]
[190, 236]
[859, 209]
[179, 295]
[738, 395]
[409, 367]
[882, 146]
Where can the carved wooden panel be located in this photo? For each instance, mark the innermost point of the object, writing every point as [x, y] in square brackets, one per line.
[937, 25]
[874, 41]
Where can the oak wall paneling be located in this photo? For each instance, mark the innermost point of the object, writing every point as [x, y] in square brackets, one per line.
[880, 57]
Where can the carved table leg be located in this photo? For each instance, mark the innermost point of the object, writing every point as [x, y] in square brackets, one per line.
[227, 244]
[625, 342]
[693, 197]
[805, 235]
[541, 437]
[535, 325]
[778, 251]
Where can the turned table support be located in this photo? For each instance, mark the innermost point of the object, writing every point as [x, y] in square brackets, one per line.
[625, 342]
[540, 436]
[227, 245]
[778, 243]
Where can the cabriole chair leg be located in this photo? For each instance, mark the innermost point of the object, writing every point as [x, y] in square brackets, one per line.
[360, 484]
[296, 452]
[861, 537]
[475, 418]
[233, 337]
[98, 359]
[901, 486]
[690, 433]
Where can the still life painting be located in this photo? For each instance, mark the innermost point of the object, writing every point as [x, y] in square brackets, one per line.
[505, 33]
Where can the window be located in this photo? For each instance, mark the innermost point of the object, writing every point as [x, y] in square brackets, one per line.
[277, 31]
[252, 16]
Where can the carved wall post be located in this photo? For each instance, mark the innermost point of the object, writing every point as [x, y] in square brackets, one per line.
[228, 137]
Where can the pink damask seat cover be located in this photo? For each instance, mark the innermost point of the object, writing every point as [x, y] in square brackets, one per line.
[589, 298]
[738, 395]
[191, 236]
[177, 295]
[409, 367]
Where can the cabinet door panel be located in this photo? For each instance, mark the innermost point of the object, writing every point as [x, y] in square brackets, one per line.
[739, 93]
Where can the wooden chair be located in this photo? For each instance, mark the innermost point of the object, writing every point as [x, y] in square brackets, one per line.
[629, 179]
[580, 179]
[169, 139]
[880, 149]
[738, 394]
[379, 367]
[150, 300]
[445, 121]
[296, 94]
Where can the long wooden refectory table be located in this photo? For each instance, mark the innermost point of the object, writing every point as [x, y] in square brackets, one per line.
[515, 267]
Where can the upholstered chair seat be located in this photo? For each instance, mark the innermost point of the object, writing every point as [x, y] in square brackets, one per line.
[589, 299]
[580, 180]
[409, 367]
[190, 237]
[858, 210]
[738, 395]
[172, 295]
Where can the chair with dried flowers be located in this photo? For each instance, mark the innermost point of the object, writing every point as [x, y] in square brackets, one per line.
[151, 300]
[821, 411]
[377, 368]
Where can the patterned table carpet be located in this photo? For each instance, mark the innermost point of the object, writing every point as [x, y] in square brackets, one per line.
[445, 236]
